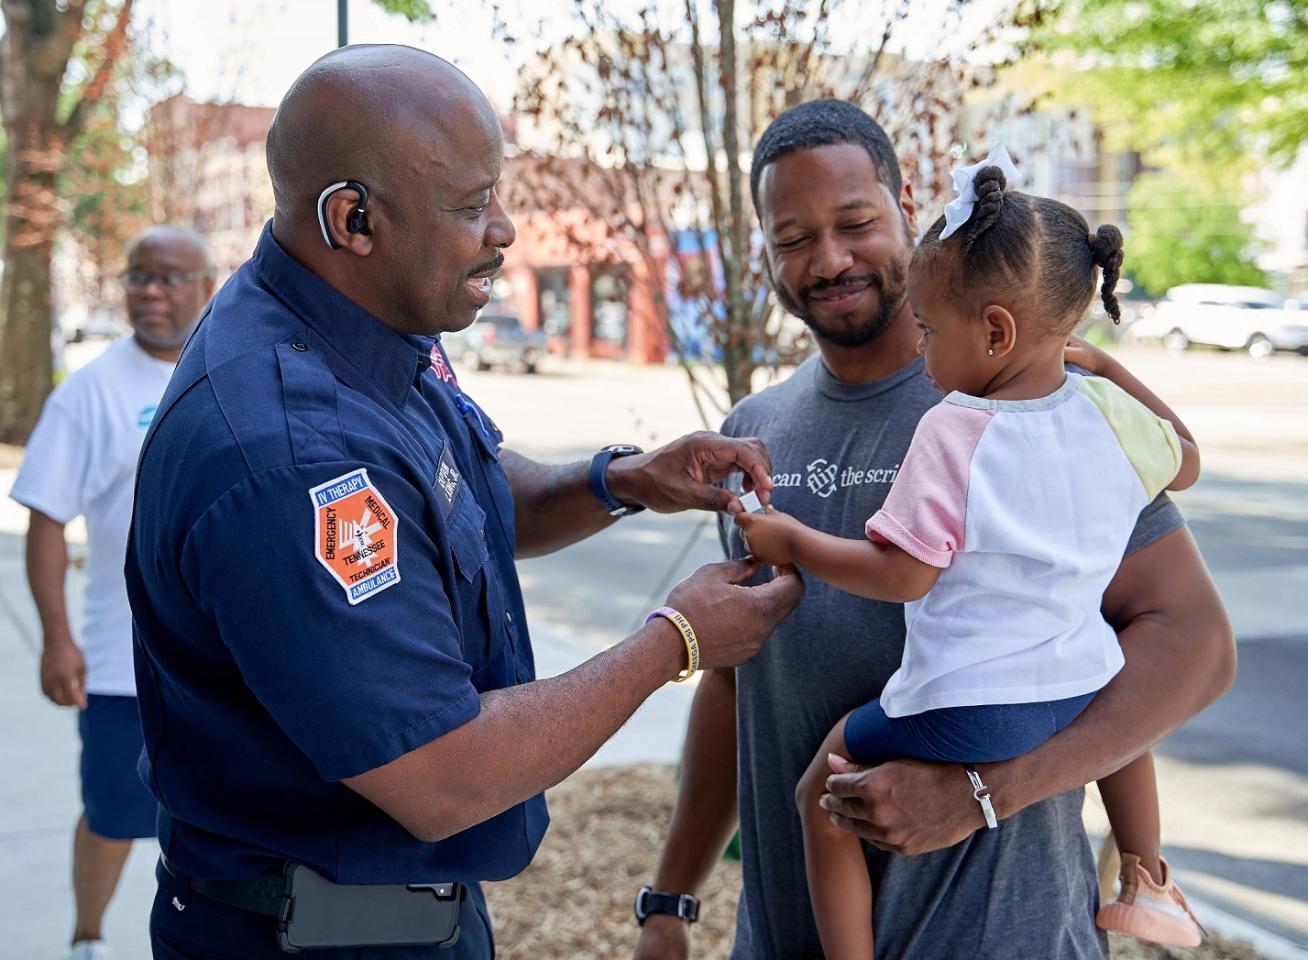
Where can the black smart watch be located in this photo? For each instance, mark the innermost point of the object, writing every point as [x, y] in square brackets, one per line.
[598, 464]
[650, 901]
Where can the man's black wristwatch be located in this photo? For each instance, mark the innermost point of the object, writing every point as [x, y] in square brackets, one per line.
[598, 464]
[650, 901]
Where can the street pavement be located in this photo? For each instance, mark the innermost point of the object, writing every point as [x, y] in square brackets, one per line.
[1233, 782]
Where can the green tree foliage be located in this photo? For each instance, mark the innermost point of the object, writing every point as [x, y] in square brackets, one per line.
[1206, 91]
[413, 10]
[1186, 228]
[1215, 78]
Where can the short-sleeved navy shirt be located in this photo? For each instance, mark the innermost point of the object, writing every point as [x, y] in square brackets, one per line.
[321, 577]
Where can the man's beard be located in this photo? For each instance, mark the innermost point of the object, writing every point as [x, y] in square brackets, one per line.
[890, 286]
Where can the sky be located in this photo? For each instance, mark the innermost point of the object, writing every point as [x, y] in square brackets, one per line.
[250, 51]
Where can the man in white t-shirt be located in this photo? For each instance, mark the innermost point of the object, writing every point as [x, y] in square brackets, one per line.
[81, 461]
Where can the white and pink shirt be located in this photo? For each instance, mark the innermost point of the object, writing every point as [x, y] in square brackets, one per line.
[1027, 506]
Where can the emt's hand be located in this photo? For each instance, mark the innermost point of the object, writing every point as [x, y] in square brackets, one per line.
[770, 537]
[731, 622]
[904, 806]
[1086, 355]
[681, 475]
[664, 937]
[63, 672]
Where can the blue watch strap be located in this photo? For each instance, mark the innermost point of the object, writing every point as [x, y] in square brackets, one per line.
[595, 477]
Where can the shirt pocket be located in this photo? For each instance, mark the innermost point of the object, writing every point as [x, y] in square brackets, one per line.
[467, 526]
[481, 635]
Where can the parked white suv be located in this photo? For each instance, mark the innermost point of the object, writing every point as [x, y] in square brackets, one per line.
[1232, 318]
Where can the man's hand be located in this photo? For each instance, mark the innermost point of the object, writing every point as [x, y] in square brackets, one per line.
[731, 622]
[681, 475]
[904, 806]
[770, 537]
[63, 672]
[664, 937]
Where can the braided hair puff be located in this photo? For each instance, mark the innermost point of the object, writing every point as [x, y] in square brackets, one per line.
[1106, 247]
[989, 185]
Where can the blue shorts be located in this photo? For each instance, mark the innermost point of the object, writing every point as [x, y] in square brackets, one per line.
[982, 734]
[118, 805]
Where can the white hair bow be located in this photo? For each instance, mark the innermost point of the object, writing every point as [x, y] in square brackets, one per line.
[960, 208]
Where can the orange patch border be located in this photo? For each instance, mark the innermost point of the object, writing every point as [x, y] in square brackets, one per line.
[350, 493]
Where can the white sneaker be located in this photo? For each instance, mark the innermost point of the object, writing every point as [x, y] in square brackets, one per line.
[90, 950]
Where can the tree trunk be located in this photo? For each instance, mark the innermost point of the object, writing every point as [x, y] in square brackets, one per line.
[28, 372]
[31, 216]
[34, 53]
[738, 345]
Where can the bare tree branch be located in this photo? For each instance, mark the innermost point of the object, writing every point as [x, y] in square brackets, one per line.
[113, 45]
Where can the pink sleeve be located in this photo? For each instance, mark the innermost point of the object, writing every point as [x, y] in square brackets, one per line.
[925, 513]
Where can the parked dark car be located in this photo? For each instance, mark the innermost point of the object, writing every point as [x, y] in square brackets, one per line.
[496, 340]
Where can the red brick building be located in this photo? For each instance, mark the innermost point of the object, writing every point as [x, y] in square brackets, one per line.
[586, 282]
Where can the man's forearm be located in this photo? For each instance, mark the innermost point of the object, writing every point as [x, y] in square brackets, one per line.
[1180, 656]
[47, 565]
[552, 505]
[705, 814]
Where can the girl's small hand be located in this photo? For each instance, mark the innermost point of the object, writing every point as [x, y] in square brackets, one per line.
[1085, 355]
[770, 537]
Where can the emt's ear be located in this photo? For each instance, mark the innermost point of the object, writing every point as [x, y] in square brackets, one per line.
[340, 211]
[1000, 331]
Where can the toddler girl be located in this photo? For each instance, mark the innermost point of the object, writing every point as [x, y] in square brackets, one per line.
[1008, 519]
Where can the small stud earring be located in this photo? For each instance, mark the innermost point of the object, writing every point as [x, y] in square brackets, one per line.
[990, 352]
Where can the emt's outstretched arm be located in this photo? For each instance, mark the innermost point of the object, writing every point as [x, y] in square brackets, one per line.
[527, 738]
[554, 508]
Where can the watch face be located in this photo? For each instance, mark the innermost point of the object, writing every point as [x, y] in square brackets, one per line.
[623, 449]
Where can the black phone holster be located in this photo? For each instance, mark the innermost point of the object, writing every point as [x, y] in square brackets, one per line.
[313, 912]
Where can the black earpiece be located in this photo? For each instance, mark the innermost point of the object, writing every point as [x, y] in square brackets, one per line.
[355, 222]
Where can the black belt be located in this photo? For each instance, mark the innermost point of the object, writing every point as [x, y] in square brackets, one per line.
[264, 895]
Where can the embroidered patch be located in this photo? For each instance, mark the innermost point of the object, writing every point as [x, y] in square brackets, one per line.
[355, 534]
[447, 477]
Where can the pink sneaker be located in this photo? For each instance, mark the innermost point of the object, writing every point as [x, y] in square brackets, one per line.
[1147, 911]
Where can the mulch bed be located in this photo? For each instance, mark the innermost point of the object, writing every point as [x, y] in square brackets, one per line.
[574, 901]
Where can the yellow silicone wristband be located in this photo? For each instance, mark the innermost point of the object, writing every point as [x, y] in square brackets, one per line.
[687, 632]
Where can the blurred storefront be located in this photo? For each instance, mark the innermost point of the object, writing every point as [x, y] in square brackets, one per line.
[593, 295]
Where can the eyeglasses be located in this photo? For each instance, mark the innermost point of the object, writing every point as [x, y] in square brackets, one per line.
[169, 282]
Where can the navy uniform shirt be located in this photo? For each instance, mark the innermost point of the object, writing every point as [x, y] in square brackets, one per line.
[321, 577]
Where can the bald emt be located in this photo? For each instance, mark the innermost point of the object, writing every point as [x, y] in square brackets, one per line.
[342, 721]
[81, 461]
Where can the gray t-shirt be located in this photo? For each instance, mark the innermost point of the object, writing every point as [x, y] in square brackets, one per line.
[1027, 889]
